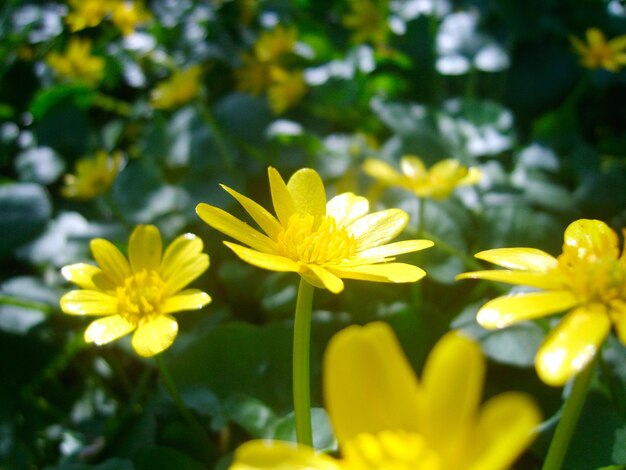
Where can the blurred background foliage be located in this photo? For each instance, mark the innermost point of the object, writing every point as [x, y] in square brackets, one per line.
[136, 113]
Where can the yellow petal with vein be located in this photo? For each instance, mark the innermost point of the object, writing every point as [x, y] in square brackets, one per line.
[264, 260]
[345, 208]
[524, 259]
[507, 310]
[186, 274]
[110, 259]
[227, 224]
[182, 251]
[145, 248]
[378, 228]
[522, 278]
[329, 280]
[413, 167]
[506, 426]
[284, 206]
[369, 386]
[189, 299]
[278, 455]
[261, 216]
[81, 274]
[572, 344]
[397, 248]
[308, 193]
[591, 237]
[107, 329]
[155, 336]
[384, 272]
[88, 302]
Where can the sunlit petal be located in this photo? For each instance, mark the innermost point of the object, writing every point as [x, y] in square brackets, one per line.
[507, 310]
[263, 260]
[397, 248]
[144, 248]
[227, 224]
[261, 216]
[524, 259]
[308, 193]
[541, 280]
[182, 251]
[278, 455]
[506, 426]
[155, 335]
[591, 237]
[369, 385]
[110, 260]
[345, 208]
[386, 272]
[189, 299]
[378, 228]
[284, 205]
[81, 274]
[107, 329]
[185, 274]
[88, 302]
[413, 167]
[572, 344]
[381, 171]
[329, 280]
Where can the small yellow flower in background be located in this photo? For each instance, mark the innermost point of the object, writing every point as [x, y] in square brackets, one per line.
[77, 63]
[599, 53]
[286, 89]
[94, 176]
[385, 418]
[324, 242]
[368, 20]
[273, 45]
[253, 76]
[127, 15]
[438, 182]
[588, 279]
[140, 293]
[182, 87]
[87, 13]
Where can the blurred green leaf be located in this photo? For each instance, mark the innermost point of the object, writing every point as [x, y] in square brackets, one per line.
[165, 458]
[323, 437]
[47, 99]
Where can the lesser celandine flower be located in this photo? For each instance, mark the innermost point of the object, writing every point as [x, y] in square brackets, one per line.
[127, 15]
[385, 418]
[87, 13]
[368, 21]
[93, 176]
[274, 44]
[438, 182]
[599, 53]
[286, 89]
[182, 87]
[139, 293]
[77, 63]
[588, 279]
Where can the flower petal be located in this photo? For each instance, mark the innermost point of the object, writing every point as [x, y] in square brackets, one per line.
[189, 299]
[345, 208]
[227, 224]
[278, 455]
[88, 302]
[308, 193]
[507, 310]
[506, 426]
[155, 336]
[369, 386]
[413, 167]
[261, 216]
[452, 382]
[541, 280]
[591, 237]
[182, 251]
[378, 228]
[572, 344]
[187, 273]
[397, 248]
[524, 259]
[326, 278]
[381, 171]
[386, 272]
[145, 248]
[284, 206]
[110, 259]
[81, 274]
[264, 260]
[104, 330]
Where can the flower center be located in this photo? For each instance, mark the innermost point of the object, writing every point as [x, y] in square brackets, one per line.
[140, 296]
[390, 450]
[326, 243]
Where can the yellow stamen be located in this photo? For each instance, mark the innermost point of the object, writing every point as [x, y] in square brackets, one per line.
[140, 296]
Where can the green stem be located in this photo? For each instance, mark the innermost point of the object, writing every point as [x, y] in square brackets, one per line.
[301, 353]
[178, 400]
[222, 148]
[26, 303]
[453, 251]
[569, 417]
[421, 216]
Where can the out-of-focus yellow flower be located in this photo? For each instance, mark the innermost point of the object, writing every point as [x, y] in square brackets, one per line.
[323, 242]
[127, 15]
[599, 53]
[77, 63]
[94, 176]
[437, 183]
[140, 293]
[272, 45]
[182, 87]
[588, 279]
[253, 76]
[384, 418]
[286, 89]
[87, 13]
[368, 20]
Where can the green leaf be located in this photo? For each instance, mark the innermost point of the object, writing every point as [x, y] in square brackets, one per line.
[46, 99]
[165, 458]
[323, 437]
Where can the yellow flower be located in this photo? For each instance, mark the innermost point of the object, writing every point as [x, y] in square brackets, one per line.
[600, 53]
[588, 279]
[385, 418]
[87, 13]
[93, 177]
[140, 293]
[127, 15]
[272, 45]
[77, 63]
[286, 89]
[180, 88]
[368, 19]
[253, 76]
[437, 183]
[323, 242]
